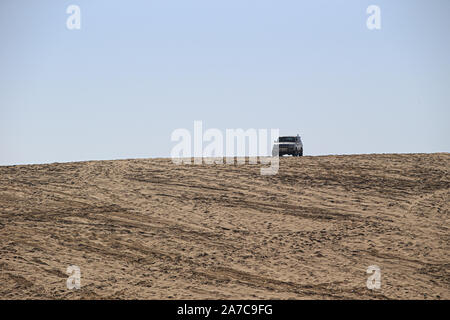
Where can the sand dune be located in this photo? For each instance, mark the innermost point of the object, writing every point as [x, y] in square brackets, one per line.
[150, 229]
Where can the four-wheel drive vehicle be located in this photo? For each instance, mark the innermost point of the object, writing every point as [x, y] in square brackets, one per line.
[288, 145]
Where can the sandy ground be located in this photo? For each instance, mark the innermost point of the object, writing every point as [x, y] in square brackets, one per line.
[150, 229]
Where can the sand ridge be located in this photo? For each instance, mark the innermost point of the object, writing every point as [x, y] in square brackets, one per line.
[150, 229]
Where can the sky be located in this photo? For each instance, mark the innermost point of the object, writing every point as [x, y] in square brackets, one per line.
[137, 70]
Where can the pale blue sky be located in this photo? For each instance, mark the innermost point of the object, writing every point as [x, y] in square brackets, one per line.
[137, 70]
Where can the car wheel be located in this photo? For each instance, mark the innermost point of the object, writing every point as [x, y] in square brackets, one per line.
[301, 152]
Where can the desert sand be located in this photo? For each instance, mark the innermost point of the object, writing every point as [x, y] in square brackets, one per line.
[150, 229]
